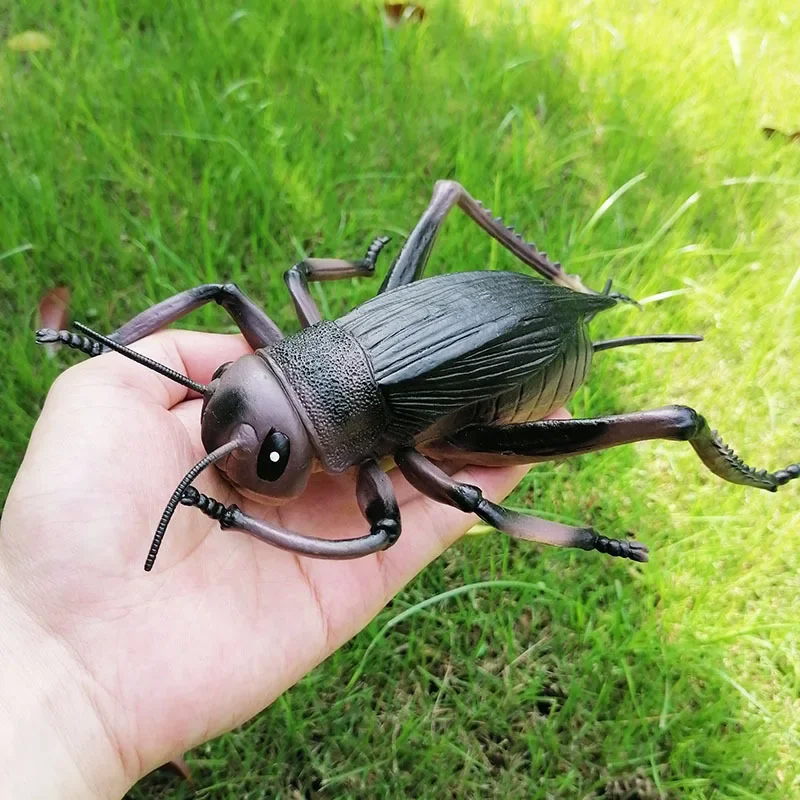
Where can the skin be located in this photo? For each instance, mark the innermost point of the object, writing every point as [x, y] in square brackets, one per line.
[109, 671]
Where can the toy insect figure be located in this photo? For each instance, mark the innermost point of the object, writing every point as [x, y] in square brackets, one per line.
[463, 367]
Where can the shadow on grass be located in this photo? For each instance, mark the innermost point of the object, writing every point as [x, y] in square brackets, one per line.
[337, 131]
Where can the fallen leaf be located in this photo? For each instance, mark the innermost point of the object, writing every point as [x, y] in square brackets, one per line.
[53, 313]
[29, 42]
[400, 13]
[53, 308]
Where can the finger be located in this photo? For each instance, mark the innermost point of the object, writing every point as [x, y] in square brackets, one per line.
[189, 352]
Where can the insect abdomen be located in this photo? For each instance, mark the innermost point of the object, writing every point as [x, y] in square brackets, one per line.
[533, 398]
[547, 390]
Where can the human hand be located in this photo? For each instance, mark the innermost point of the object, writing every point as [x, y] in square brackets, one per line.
[109, 671]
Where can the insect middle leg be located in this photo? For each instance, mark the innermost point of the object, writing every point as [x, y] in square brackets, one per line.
[258, 329]
[548, 439]
[429, 479]
[326, 269]
[410, 263]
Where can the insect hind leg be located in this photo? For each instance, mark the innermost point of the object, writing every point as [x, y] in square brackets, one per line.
[410, 263]
[527, 442]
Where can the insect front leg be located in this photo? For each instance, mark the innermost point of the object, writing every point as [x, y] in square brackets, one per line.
[326, 269]
[258, 329]
[410, 263]
[427, 478]
[548, 439]
[376, 500]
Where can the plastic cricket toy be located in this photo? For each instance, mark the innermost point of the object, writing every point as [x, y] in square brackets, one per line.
[461, 367]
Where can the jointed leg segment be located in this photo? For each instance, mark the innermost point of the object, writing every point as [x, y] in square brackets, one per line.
[327, 269]
[410, 263]
[427, 478]
[547, 439]
[375, 499]
[258, 329]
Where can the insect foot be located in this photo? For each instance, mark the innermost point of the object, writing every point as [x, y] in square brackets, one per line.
[373, 251]
[620, 548]
[73, 340]
[209, 506]
[788, 474]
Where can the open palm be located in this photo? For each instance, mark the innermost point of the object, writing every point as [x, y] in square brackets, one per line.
[224, 623]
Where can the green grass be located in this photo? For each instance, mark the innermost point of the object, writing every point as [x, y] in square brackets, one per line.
[157, 146]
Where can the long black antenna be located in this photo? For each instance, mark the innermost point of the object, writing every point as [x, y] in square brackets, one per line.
[144, 360]
[169, 510]
[654, 339]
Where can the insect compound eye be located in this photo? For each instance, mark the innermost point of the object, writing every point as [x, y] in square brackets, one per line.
[220, 369]
[273, 456]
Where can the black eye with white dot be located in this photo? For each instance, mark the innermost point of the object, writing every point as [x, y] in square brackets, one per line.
[273, 456]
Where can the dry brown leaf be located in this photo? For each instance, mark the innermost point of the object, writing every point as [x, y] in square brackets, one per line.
[30, 42]
[400, 13]
[54, 313]
[53, 308]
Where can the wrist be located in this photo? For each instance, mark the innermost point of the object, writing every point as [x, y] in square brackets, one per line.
[53, 742]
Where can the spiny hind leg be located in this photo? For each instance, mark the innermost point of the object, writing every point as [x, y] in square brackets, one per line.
[429, 479]
[410, 263]
[550, 439]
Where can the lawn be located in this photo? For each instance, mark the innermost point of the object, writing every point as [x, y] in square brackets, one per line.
[156, 146]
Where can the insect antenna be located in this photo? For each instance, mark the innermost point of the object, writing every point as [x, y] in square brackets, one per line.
[169, 510]
[656, 338]
[143, 360]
